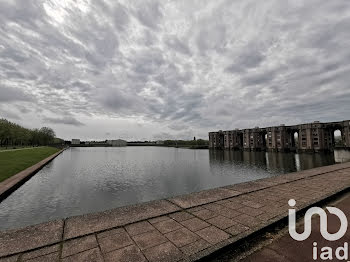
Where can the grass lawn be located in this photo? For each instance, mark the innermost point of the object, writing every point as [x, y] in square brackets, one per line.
[14, 161]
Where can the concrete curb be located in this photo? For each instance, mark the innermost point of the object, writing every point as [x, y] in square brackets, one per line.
[15, 181]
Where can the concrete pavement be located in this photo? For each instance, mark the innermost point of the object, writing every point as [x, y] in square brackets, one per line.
[286, 249]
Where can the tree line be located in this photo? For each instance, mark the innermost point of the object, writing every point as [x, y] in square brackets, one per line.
[12, 134]
[198, 142]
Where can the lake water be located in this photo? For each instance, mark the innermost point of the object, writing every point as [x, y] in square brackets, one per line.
[83, 180]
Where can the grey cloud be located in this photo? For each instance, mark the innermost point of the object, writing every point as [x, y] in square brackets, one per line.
[9, 114]
[177, 65]
[258, 79]
[9, 94]
[149, 14]
[69, 120]
[163, 136]
[120, 17]
[148, 62]
[24, 12]
[251, 59]
[212, 37]
[82, 86]
[24, 110]
[178, 127]
[15, 55]
[119, 101]
[309, 110]
[177, 45]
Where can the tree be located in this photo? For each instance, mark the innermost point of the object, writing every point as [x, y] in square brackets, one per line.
[47, 135]
[12, 134]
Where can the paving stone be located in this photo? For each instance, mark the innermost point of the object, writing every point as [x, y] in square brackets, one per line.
[251, 211]
[213, 235]
[252, 204]
[20, 240]
[92, 255]
[195, 224]
[237, 229]
[247, 220]
[272, 208]
[247, 187]
[205, 214]
[195, 209]
[110, 233]
[126, 254]
[203, 197]
[266, 255]
[213, 207]
[78, 245]
[228, 212]
[139, 228]
[149, 239]
[233, 205]
[52, 257]
[182, 237]
[168, 206]
[115, 241]
[158, 219]
[221, 222]
[266, 216]
[237, 200]
[9, 259]
[40, 252]
[195, 247]
[167, 226]
[166, 252]
[222, 202]
[181, 216]
[95, 222]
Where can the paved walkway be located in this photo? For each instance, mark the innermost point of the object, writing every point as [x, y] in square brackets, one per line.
[183, 228]
[286, 249]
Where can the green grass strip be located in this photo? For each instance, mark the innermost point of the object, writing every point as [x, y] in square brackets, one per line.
[14, 161]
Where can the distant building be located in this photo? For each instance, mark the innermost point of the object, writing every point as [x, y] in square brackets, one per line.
[308, 137]
[160, 142]
[118, 142]
[75, 141]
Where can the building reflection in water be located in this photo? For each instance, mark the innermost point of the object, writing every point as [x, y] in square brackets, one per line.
[342, 155]
[297, 162]
[276, 162]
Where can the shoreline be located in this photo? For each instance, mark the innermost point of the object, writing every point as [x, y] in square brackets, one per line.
[244, 208]
[14, 182]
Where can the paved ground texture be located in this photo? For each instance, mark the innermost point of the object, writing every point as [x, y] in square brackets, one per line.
[183, 228]
[286, 249]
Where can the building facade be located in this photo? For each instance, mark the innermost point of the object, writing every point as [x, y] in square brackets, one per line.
[75, 141]
[311, 137]
[216, 140]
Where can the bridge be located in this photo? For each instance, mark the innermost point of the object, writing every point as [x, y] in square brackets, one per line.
[309, 137]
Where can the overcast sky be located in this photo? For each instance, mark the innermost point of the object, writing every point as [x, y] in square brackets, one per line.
[172, 69]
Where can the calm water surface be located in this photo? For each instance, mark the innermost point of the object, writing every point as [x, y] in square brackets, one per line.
[83, 180]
